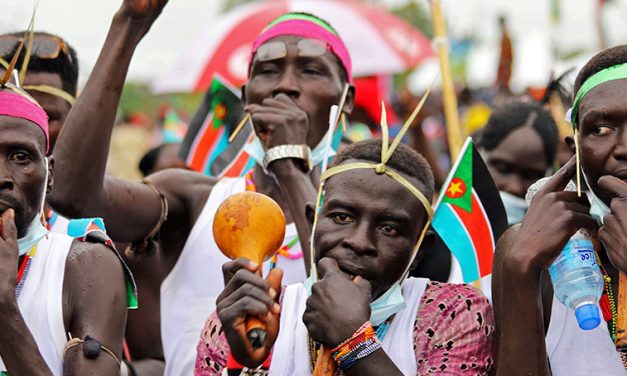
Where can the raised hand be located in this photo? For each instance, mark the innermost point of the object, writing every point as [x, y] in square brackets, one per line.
[143, 9]
[247, 294]
[613, 233]
[9, 256]
[553, 217]
[338, 306]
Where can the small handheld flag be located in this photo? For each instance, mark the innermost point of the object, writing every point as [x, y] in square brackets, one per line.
[469, 215]
[206, 147]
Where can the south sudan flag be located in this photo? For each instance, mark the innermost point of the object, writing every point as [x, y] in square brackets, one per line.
[469, 215]
[206, 148]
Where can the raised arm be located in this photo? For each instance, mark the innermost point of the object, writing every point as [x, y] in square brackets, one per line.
[129, 209]
[521, 255]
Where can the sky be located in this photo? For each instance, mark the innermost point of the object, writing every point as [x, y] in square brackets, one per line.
[85, 23]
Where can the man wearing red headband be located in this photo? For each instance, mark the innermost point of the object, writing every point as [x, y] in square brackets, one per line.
[51, 285]
[298, 70]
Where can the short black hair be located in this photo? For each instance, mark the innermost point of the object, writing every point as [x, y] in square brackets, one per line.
[63, 65]
[513, 115]
[405, 160]
[604, 59]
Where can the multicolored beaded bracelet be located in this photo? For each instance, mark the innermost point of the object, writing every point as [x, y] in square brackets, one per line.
[361, 344]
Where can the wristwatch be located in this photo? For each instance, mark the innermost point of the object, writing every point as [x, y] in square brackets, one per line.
[301, 152]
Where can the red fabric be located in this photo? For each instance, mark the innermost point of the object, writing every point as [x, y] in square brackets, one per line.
[18, 106]
[606, 308]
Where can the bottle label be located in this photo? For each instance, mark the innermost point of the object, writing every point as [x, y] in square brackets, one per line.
[577, 253]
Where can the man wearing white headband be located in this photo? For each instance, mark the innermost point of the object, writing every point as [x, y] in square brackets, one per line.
[537, 334]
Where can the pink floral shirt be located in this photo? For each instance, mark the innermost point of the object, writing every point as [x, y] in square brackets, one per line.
[453, 334]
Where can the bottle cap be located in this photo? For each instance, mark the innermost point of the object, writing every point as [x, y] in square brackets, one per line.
[588, 316]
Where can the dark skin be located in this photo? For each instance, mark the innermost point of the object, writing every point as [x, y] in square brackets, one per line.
[94, 296]
[281, 103]
[146, 351]
[56, 108]
[518, 161]
[553, 217]
[363, 241]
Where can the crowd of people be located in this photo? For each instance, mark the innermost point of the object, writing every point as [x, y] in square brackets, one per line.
[100, 275]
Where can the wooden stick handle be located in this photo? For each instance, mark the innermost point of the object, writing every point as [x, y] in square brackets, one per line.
[325, 365]
[621, 308]
[239, 127]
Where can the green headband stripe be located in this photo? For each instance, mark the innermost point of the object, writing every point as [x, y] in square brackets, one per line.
[301, 17]
[612, 73]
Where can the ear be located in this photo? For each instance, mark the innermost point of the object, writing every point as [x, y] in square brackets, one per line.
[427, 243]
[310, 213]
[570, 141]
[50, 182]
[350, 100]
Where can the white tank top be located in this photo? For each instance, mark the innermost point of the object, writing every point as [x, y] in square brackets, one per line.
[290, 355]
[41, 299]
[189, 292]
[59, 224]
[573, 351]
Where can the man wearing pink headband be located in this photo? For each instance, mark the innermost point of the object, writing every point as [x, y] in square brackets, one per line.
[296, 75]
[50, 284]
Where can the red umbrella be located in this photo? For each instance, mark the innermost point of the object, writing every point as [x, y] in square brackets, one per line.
[378, 41]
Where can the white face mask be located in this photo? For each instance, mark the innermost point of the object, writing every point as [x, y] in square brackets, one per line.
[36, 230]
[515, 207]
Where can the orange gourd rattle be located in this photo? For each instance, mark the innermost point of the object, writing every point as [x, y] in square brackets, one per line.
[250, 225]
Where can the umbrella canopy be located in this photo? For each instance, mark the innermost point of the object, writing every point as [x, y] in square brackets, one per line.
[378, 41]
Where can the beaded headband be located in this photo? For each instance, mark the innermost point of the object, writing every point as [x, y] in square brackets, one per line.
[381, 168]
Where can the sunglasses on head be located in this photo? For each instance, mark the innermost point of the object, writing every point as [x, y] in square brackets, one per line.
[43, 46]
[277, 49]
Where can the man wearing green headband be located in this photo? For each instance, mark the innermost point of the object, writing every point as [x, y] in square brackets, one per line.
[294, 80]
[537, 334]
[366, 233]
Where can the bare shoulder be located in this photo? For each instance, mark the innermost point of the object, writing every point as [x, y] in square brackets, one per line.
[93, 267]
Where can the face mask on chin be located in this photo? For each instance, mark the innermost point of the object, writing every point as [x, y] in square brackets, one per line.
[256, 150]
[36, 230]
[381, 308]
[515, 207]
[598, 208]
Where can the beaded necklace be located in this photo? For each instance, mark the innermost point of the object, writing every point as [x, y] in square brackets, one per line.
[22, 271]
[314, 347]
[285, 249]
[608, 307]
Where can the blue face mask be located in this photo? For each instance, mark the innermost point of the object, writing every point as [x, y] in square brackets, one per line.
[36, 230]
[598, 209]
[515, 207]
[383, 307]
[256, 150]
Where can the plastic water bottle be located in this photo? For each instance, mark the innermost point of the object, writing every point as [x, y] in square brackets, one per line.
[577, 280]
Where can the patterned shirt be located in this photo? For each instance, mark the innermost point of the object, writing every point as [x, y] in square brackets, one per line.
[453, 334]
